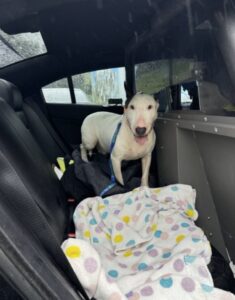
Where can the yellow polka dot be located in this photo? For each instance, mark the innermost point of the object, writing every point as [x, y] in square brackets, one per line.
[73, 252]
[108, 236]
[118, 238]
[154, 227]
[127, 253]
[101, 206]
[126, 219]
[157, 190]
[87, 234]
[179, 238]
[190, 213]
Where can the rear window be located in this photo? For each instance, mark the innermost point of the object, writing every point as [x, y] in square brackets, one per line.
[17, 47]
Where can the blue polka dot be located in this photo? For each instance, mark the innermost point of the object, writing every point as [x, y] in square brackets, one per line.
[104, 215]
[158, 233]
[150, 247]
[146, 219]
[93, 221]
[174, 188]
[95, 240]
[207, 288]
[166, 282]
[113, 273]
[189, 259]
[148, 205]
[129, 201]
[130, 243]
[185, 225]
[196, 240]
[190, 206]
[106, 202]
[166, 255]
[142, 266]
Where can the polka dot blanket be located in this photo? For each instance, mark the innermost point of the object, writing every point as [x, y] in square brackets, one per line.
[142, 245]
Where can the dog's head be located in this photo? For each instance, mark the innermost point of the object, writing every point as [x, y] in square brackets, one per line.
[141, 113]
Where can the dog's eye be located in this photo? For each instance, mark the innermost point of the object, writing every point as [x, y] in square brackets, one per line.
[132, 107]
[150, 107]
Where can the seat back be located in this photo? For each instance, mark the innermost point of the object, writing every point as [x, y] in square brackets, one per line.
[34, 120]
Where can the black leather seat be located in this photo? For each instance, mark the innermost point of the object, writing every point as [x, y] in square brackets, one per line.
[33, 118]
[29, 190]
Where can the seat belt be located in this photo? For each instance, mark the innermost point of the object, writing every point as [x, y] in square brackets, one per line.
[112, 179]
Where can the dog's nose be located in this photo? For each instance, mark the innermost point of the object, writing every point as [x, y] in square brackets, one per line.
[140, 130]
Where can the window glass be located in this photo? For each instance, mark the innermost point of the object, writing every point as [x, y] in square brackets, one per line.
[97, 87]
[172, 82]
[57, 92]
[17, 47]
[151, 77]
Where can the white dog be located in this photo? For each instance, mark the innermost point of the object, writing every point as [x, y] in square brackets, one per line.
[135, 139]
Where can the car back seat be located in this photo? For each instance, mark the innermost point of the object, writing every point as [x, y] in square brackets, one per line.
[29, 186]
[34, 119]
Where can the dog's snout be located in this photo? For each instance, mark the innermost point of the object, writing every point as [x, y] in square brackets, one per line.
[140, 130]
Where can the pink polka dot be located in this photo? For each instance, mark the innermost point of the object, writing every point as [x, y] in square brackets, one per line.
[122, 265]
[169, 220]
[134, 267]
[180, 203]
[147, 291]
[149, 229]
[110, 280]
[119, 226]
[154, 198]
[135, 218]
[139, 205]
[137, 253]
[98, 229]
[192, 229]
[188, 284]
[134, 296]
[90, 265]
[115, 296]
[153, 253]
[178, 265]
[203, 271]
[164, 236]
[175, 227]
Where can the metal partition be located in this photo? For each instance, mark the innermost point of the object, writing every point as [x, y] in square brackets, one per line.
[199, 150]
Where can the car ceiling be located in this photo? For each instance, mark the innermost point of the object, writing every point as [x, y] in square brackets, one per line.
[85, 35]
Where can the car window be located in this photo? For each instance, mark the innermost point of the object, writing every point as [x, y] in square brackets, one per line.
[100, 86]
[57, 92]
[97, 87]
[172, 82]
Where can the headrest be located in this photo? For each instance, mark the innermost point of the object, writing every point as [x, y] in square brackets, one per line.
[11, 94]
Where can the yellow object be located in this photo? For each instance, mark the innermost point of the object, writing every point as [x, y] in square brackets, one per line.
[73, 252]
[179, 238]
[118, 238]
[126, 219]
[87, 234]
[127, 253]
[190, 213]
[61, 163]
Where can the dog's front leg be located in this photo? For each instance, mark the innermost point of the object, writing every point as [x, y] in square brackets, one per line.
[145, 161]
[116, 164]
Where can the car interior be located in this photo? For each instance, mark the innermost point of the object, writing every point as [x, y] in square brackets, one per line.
[63, 60]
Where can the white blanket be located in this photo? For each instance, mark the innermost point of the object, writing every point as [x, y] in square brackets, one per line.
[145, 243]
